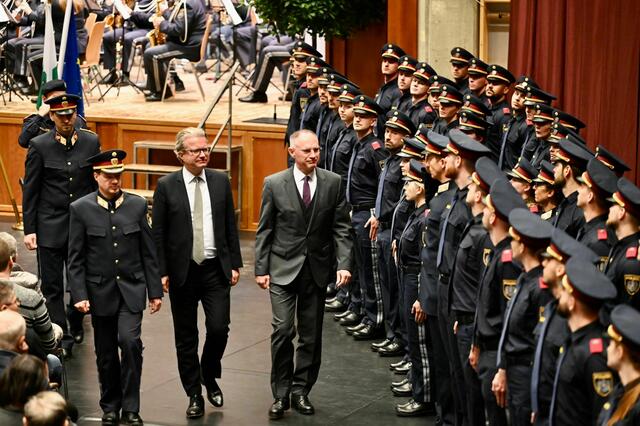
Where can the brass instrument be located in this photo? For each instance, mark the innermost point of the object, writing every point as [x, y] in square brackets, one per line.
[155, 36]
[115, 20]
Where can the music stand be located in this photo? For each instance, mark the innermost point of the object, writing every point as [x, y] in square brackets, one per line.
[236, 20]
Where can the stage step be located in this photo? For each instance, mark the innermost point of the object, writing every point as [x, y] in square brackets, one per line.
[152, 169]
[144, 193]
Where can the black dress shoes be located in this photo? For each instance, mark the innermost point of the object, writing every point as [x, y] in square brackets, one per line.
[403, 369]
[368, 332]
[413, 409]
[392, 349]
[352, 319]
[302, 404]
[376, 346]
[178, 84]
[279, 406]
[400, 383]
[334, 306]
[78, 335]
[404, 390]
[131, 418]
[255, 97]
[395, 365]
[338, 317]
[353, 328]
[110, 418]
[196, 407]
[214, 395]
[157, 97]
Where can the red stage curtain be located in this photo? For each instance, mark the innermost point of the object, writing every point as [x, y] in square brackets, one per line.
[587, 53]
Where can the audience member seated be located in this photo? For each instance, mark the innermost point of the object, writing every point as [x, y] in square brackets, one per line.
[46, 409]
[24, 377]
[13, 341]
[18, 275]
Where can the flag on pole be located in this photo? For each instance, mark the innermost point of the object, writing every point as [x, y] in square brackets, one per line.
[71, 67]
[49, 60]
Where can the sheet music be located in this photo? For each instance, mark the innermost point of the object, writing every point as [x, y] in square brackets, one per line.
[122, 10]
[232, 12]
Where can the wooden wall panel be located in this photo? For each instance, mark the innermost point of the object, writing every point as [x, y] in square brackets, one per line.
[402, 24]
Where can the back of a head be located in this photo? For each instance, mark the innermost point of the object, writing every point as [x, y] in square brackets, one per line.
[5, 254]
[12, 330]
[24, 377]
[11, 242]
[46, 409]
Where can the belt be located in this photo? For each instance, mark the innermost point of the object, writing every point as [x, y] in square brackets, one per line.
[464, 318]
[361, 207]
[525, 360]
[411, 269]
[490, 344]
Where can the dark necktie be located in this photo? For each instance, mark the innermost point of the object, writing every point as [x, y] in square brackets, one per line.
[505, 325]
[383, 175]
[354, 154]
[502, 147]
[554, 395]
[333, 151]
[524, 145]
[444, 231]
[549, 311]
[306, 192]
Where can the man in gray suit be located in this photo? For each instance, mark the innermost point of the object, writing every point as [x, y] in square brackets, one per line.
[304, 228]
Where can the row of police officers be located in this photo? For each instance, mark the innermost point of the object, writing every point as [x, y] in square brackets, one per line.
[496, 253]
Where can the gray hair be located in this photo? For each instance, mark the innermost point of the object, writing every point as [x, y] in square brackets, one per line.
[11, 242]
[46, 408]
[298, 134]
[184, 134]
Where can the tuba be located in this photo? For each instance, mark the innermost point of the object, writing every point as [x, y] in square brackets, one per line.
[155, 36]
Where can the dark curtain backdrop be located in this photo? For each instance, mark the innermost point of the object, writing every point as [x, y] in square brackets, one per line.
[587, 53]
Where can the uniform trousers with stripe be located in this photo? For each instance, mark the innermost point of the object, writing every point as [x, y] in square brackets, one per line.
[418, 339]
[389, 287]
[367, 260]
[157, 58]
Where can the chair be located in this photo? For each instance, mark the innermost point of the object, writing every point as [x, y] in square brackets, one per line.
[191, 64]
[91, 62]
[90, 22]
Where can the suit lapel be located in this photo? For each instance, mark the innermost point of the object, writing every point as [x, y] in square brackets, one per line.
[292, 188]
[317, 197]
[181, 193]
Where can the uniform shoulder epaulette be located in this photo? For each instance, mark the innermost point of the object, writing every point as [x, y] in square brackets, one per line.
[632, 252]
[303, 85]
[376, 145]
[542, 283]
[596, 346]
[506, 110]
[428, 108]
[602, 234]
[88, 131]
[533, 208]
[443, 187]
[507, 256]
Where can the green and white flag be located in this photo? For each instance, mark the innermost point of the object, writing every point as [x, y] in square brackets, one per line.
[49, 60]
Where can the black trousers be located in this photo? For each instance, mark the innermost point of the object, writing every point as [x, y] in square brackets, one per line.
[441, 376]
[51, 266]
[445, 321]
[16, 52]
[157, 58]
[119, 373]
[474, 414]
[390, 292]
[301, 302]
[205, 283]
[109, 41]
[368, 270]
[487, 369]
[418, 341]
[519, 394]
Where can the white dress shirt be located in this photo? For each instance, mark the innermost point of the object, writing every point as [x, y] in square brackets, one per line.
[298, 176]
[207, 213]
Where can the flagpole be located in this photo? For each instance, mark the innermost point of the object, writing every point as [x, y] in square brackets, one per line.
[65, 36]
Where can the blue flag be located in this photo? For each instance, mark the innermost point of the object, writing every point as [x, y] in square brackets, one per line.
[71, 70]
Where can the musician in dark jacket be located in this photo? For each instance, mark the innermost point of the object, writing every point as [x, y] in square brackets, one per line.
[183, 25]
[112, 271]
[56, 174]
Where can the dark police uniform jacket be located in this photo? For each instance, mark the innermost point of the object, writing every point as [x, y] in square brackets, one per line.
[429, 276]
[623, 270]
[387, 95]
[530, 295]
[391, 189]
[188, 25]
[583, 380]
[632, 418]
[596, 235]
[421, 112]
[569, 217]
[36, 125]
[328, 135]
[311, 113]
[455, 217]
[471, 258]
[496, 289]
[54, 178]
[515, 138]
[410, 242]
[112, 257]
[341, 154]
[369, 154]
[536, 151]
[300, 96]
[440, 126]
[403, 103]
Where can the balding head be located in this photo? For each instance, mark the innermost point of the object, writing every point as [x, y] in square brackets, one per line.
[305, 150]
[12, 332]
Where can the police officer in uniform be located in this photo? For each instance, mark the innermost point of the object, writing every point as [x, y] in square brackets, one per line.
[389, 93]
[597, 185]
[623, 268]
[582, 381]
[183, 24]
[408, 254]
[56, 174]
[473, 125]
[612, 161]
[436, 165]
[312, 109]
[569, 163]
[546, 193]
[568, 120]
[538, 146]
[500, 80]
[478, 71]
[472, 257]
[462, 153]
[365, 167]
[460, 61]
[450, 102]
[40, 123]
[419, 110]
[112, 270]
[515, 130]
[389, 192]
[552, 330]
[332, 124]
[406, 68]
[521, 177]
[530, 236]
[623, 356]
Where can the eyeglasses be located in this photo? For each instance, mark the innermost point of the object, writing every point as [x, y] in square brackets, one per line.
[197, 151]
